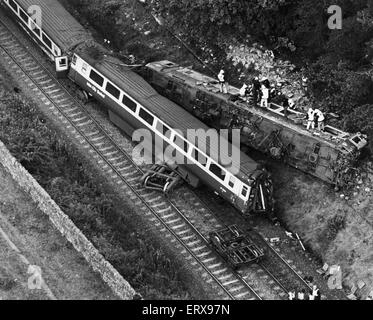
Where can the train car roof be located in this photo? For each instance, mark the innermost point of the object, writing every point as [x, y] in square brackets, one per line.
[172, 114]
[58, 23]
[332, 136]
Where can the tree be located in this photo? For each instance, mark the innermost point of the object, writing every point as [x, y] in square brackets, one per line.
[337, 88]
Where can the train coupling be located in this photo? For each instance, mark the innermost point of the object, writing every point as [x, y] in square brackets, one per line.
[160, 178]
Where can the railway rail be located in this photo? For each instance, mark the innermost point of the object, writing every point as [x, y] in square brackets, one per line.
[280, 271]
[120, 167]
[274, 263]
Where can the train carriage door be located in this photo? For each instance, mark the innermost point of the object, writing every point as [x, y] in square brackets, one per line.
[62, 66]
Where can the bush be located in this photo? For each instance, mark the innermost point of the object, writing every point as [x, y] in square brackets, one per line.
[338, 88]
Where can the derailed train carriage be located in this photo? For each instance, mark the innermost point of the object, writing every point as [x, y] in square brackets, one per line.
[132, 104]
[330, 155]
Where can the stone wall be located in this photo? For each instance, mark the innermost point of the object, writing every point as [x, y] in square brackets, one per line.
[64, 225]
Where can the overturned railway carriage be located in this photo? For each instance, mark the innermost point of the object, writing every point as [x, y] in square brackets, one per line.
[132, 104]
[328, 155]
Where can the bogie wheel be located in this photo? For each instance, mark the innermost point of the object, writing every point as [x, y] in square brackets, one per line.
[83, 96]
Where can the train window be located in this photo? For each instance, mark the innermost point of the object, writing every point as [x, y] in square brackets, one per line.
[244, 191]
[170, 85]
[63, 62]
[166, 131]
[186, 147]
[129, 103]
[23, 15]
[47, 41]
[216, 170]
[183, 144]
[161, 128]
[13, 5]
[35, 28]
[112, 90]
[179, 90]
[232, 181]
[317, 147]
[197, 155]
[95, 76]
[146, 116]
[201, 95]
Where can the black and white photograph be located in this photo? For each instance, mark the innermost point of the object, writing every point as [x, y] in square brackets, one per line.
[186, 158]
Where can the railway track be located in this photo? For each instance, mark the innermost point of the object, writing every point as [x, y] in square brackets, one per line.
[280, 271]
[277, 265]
[211, 222]
[117, 163]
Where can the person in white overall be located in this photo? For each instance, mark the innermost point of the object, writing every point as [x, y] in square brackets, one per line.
[265, 97]
[311, 119]
[223, 85]
[321, 120]
[244, 91]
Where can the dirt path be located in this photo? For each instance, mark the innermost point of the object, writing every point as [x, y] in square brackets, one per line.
[36, 261]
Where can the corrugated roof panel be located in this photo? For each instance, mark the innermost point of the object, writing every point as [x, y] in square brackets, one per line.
[58, 23]
[117, 72]
[126, 78]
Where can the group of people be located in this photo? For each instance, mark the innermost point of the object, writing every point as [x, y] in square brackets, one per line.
[258, 90]
[315, 116]
[261, 91]
[314, 294]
